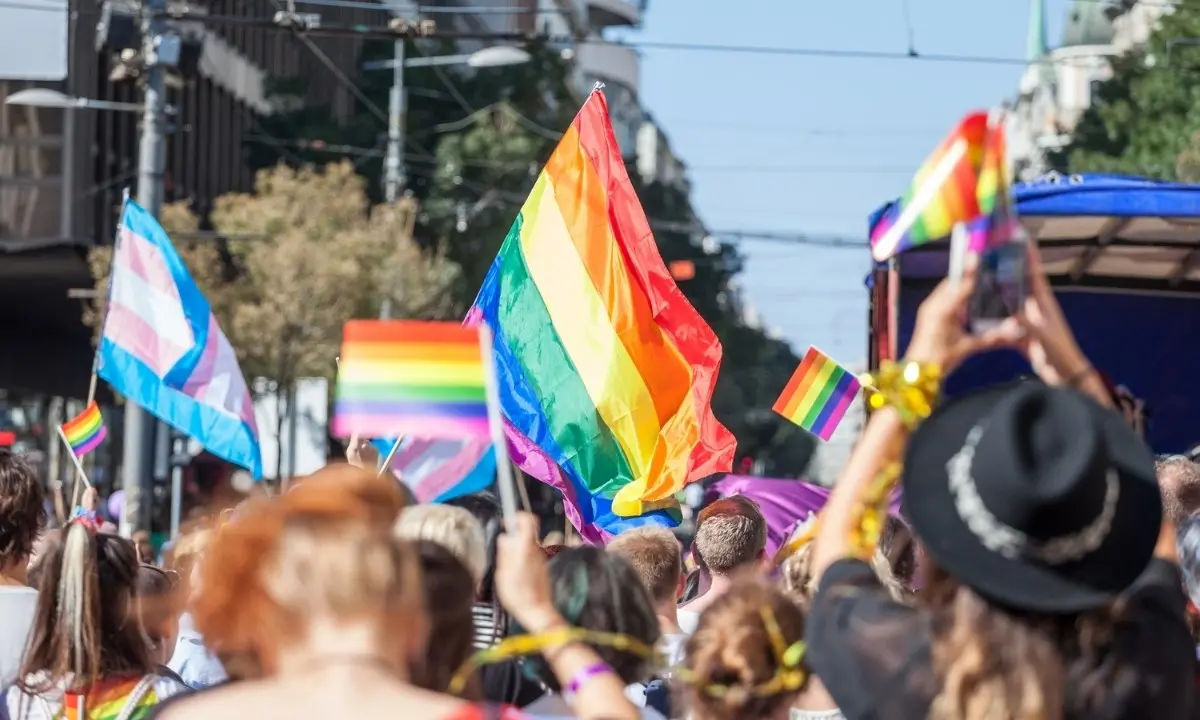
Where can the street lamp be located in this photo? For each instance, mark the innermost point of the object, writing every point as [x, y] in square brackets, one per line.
[499, 56]
[393, 175]
[44, 98]
[139, 442]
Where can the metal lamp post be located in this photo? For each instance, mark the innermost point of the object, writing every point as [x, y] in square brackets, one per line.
[393, 176]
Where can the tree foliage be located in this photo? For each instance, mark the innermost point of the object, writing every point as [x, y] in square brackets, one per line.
[755, 367]
[475, 143]
[1142, 120]
[305, 253]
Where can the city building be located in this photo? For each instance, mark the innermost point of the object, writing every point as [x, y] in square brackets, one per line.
[1059, 82]
[62, 183]
[656, 161]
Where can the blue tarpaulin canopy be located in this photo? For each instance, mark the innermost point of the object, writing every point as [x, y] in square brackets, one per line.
[1124, 255]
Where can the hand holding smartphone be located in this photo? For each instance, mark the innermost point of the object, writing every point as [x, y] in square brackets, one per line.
[1001, 281]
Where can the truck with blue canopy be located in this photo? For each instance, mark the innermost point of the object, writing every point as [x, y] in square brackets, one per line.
[1123, 255]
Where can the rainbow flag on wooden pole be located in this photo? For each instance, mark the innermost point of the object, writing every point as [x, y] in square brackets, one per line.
[425, 379]
[83, 434]
[818, 395]
[605, 371]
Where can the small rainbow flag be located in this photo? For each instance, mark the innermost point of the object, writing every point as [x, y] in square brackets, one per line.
[943, 193]
[85, 431]
[400, 377]
[998, 222]
[818, 395]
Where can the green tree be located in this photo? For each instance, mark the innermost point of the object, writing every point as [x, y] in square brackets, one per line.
[755, 367]
[1143, 118]
[471, 161]
[311, 254]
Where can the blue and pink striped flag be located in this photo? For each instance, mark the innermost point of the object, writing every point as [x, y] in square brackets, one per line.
[440, 469]
[162, 349]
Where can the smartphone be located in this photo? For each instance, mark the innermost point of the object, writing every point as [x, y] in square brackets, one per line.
[1000, 285]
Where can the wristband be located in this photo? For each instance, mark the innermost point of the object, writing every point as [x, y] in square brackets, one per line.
[580, 678]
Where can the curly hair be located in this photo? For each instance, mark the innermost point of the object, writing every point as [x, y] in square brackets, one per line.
[22, 514]
[797, 580]
[732, 647]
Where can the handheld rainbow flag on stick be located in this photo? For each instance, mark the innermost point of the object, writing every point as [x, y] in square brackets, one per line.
[83, 434]
[818, 395]
[410, 378]
[943, 193]
[427, 379]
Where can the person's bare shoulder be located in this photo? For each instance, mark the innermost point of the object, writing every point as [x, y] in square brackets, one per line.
[365, 700]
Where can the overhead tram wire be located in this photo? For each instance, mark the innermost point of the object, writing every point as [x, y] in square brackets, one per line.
[384, 33]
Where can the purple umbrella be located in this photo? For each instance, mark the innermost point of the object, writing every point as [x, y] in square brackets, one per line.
[783, 502]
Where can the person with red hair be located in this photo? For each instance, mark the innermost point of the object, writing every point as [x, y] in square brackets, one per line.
[312, 593]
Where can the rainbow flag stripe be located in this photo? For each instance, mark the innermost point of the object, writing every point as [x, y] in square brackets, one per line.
[85, 431]
[605, 370]
[106, 699]
[997, 223]
[410, 378]
[942, 194]
[818, 395]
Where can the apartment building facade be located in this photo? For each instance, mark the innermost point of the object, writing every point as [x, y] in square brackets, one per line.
[1058, 85]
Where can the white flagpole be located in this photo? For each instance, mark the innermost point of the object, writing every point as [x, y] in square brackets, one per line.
[74, 458]
[387, 461]
[504, 475]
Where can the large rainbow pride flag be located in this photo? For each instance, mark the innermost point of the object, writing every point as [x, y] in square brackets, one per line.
[605, 371]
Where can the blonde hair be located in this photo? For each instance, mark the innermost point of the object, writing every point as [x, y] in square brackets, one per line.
[655, 555]
[730, 533]
[454, 528]
[797, 579]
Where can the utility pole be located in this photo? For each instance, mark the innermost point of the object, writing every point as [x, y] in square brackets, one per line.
[393, 173]
[159, 50]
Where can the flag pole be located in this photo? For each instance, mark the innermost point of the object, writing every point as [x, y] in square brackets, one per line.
[504, 474]
[387, 461]
[74, 459]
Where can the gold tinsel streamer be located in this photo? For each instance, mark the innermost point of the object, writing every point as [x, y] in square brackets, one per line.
[789, 676]
[912, 389]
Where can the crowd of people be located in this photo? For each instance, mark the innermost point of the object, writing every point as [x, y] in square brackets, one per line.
[1042, 568]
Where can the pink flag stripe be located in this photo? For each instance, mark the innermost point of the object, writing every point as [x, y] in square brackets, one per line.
[408, 454]
[141, 257]
[92, 443]
[125, 327]
[438, 482]
[432, 427]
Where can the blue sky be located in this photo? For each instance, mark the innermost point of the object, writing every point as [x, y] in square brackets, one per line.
[875, 119]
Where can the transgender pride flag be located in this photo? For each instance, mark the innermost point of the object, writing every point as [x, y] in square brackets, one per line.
[162, 349]
[438, 470]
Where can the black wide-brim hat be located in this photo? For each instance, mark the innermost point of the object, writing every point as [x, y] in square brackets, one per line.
[1095, 446]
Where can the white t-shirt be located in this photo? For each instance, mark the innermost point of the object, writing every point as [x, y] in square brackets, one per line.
[672, 647]
[17, 607]
[688, 621]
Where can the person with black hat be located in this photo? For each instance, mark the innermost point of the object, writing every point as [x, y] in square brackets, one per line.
[1052, 590]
